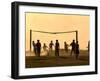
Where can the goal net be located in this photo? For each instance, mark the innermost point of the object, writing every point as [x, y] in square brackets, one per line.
[47, 37]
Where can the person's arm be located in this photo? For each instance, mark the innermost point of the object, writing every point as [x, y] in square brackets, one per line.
[59, 46]
[46, 46]
[40, 45]
[52, 44]
[67, 44]
[70, 44]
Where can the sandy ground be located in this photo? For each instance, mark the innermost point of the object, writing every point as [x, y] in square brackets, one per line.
[52, 61]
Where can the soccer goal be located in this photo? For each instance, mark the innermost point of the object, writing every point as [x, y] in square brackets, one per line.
[47, 36]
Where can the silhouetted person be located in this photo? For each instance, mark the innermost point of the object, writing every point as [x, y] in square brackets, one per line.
[45, 48]
[34, 48]
[51, 46]
[73, 47]
[77, 50]
[66, 47]
[57, 46]
[88, 46]
[38, 48]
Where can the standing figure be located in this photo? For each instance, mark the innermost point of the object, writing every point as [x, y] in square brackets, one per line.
[38, 48]
[57, 47]
[73, 47]
[51, 46]
[77, 50]
[45, 49]
[66, 47]
[88, 46]
[34, 48]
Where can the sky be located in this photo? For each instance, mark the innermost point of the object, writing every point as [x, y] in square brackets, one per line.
[57, 23]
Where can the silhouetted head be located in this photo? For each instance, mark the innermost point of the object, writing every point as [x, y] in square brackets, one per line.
[73, 40]
[38, 40]
[44, 44]
[56, 40]
[51, 41]
[65, 42]
[77, 42]
[33, 41]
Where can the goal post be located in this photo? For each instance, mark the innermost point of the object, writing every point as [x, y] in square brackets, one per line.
[30, 40]
[76, 34]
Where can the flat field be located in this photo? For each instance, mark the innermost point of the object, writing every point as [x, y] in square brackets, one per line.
[65, 59]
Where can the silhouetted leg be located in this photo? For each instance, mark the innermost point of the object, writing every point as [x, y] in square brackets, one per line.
[48, 53]
[57, 53]
[38, 53]
[71, 52]
[77, 55]
[35, 52]
[66, 51]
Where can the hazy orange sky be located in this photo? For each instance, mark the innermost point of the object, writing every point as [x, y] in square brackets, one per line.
[57, 23]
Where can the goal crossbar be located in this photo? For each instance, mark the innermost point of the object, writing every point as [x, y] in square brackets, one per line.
[53, 32]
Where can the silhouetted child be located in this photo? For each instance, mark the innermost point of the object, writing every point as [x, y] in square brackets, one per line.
[77, 50]
[45, 49]
[34, 48]
[57, 46]
[51, 46]
[73, 47]
[38, 48]
[66, 47]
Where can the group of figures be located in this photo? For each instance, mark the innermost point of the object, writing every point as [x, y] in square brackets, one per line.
[74, 48]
